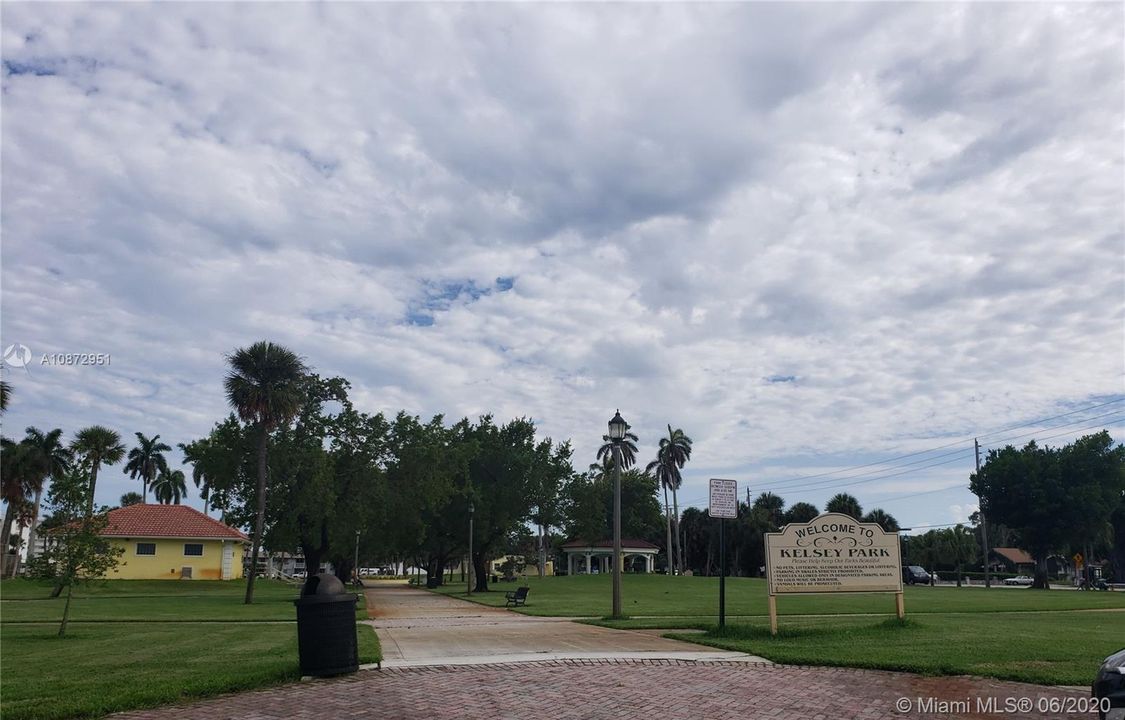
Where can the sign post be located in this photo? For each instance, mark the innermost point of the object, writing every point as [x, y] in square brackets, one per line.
[723, 504]
[833, 553]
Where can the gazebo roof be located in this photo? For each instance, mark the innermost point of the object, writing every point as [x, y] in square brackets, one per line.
[631, 543]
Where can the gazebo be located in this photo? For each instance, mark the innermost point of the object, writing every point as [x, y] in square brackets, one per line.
[584, 557]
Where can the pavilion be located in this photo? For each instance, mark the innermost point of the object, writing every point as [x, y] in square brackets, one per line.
[583, 557]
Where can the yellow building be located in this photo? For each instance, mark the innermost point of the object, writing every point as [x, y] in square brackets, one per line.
[173, 542]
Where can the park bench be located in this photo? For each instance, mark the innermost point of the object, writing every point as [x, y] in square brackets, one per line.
[516, 598]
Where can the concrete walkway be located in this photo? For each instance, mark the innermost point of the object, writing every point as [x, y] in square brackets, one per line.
[418, 628]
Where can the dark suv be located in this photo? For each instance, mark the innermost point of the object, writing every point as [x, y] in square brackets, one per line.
[915, 575]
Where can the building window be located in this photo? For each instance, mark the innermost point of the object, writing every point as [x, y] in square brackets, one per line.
[195, 549]
[146, 548]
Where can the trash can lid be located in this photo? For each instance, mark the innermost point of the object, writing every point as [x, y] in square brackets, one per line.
[323, 584]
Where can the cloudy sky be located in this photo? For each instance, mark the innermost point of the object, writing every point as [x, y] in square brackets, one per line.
[813, 236]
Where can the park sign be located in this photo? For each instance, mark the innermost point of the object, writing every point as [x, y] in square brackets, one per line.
[832, 553]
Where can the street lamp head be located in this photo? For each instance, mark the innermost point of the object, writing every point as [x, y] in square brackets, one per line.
[470, 507]
[617, 427]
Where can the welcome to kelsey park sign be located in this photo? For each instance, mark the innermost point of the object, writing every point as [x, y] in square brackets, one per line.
[832, 553]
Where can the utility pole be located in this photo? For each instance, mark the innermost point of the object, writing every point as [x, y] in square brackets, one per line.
[983, 522]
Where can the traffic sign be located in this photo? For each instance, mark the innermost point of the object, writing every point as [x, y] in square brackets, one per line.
[724, 499]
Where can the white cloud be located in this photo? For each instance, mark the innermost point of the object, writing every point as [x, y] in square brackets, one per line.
[555, 211]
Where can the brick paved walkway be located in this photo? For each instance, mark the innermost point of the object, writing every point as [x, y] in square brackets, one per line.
[613, 690]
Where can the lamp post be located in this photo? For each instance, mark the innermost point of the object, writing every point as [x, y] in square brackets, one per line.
[617, 429]
[469, 589]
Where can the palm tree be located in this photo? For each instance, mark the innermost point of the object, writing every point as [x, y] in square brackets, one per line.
[146, 461]
[674, 451]
[801, 512]
[845, 504]
[666, 478]
[195, 453]
[772, 505]
[883, 519]
[170, 487]
[265, 386]
[5, 394]
[52, 460]
[958, 546]
[628, 447]
[16, 469]
[95, 446]
[131, 498]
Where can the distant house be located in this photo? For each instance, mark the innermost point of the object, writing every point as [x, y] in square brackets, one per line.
[173, 542]
[1013, 560]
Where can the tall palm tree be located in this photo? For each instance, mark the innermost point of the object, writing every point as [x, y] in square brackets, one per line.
[16, 469]
[628, 447]
[845, 504]
[170, 487]
[5, 394]
[195, 453]
[96, 446]
[666, 477]
[265, 386]
[801, 512]
[52, 460]
[146, 461]
[673, 452]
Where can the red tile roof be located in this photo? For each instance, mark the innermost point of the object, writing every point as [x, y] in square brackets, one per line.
[167, 521]
[1015, 555]
[625, 543]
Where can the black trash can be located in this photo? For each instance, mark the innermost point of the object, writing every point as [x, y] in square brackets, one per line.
[326, 631]
[433, 581]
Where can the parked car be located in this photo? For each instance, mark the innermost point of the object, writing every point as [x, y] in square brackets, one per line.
[1019, 580]
[915, 575]
[1110, 684]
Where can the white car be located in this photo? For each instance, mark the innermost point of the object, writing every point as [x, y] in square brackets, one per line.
[1019, 580]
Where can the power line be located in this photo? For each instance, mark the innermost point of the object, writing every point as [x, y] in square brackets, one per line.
[956, 442]
[958, 454]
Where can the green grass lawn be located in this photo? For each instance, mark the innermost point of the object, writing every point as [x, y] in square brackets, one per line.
[589, 596]
[136, 644]
[1052, 637]
[1061, 648]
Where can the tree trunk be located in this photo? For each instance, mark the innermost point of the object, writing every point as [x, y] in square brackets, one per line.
[668, 532]
[93, 486]
[676, 520]
[542, 555]
[958, 574]
[1041, 582]
[480, 570]
[144, 489]
[260, 519]
[66, 609]
[6, 533]
[31, 534]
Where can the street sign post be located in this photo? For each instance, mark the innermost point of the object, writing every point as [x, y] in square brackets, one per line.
[723, 504]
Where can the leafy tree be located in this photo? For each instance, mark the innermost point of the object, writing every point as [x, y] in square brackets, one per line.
[146, 461]
[265, 386]
[926, 550]
[882, 519]
[551, 468]
[96, 446]
[672, 454]
[131, 498]
[801, 512]
[845, 504]
[75, 552]
[958, 546]
[170, 487]
[1050, 497]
